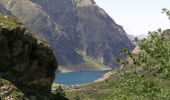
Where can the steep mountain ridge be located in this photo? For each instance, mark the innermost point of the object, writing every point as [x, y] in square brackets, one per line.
[79, 28]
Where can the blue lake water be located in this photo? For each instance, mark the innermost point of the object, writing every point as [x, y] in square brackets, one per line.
[78, 78]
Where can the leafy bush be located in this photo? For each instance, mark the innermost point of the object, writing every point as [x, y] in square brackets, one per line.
[146, 76]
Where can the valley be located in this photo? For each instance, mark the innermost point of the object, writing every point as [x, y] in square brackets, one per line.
[73, 50]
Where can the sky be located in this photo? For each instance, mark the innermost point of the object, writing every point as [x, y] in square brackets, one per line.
[137, 16]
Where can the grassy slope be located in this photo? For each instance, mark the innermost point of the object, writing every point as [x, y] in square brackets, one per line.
[54, 85]
[9, 91]
[88, 64]
[94, 91]
[7, 21]
[113, 88]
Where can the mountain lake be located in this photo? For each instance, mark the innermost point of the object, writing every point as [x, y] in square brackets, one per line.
[78, 78]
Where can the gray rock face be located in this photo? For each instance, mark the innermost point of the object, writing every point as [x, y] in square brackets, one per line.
[4, 11]
[72, 26]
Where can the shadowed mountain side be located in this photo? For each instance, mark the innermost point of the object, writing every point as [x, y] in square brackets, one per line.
[79, 28]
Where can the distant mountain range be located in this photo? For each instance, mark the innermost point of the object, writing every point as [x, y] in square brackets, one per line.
[132, 37]
[82, 35]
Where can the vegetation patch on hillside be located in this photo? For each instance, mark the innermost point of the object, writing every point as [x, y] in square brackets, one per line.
[88, 63]
[8, 21]
[146, 76]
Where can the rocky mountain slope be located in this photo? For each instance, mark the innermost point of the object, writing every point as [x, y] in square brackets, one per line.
[27, 64]
[79, 28]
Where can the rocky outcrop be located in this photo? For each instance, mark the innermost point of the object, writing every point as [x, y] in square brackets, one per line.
[9, 92]
[79, 28]
[4, 11]
[26, 61]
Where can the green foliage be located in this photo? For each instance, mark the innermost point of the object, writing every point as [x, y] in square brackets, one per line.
[166, 11]
[77, 97]
[156, 52]
[5, 20]
[150, 68]
[59, 94]
[146, 76]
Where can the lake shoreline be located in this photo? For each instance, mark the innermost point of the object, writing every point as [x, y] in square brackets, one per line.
[82, 70]
[64, 69]
[104, 77]
[81, 78]
[79, 86]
